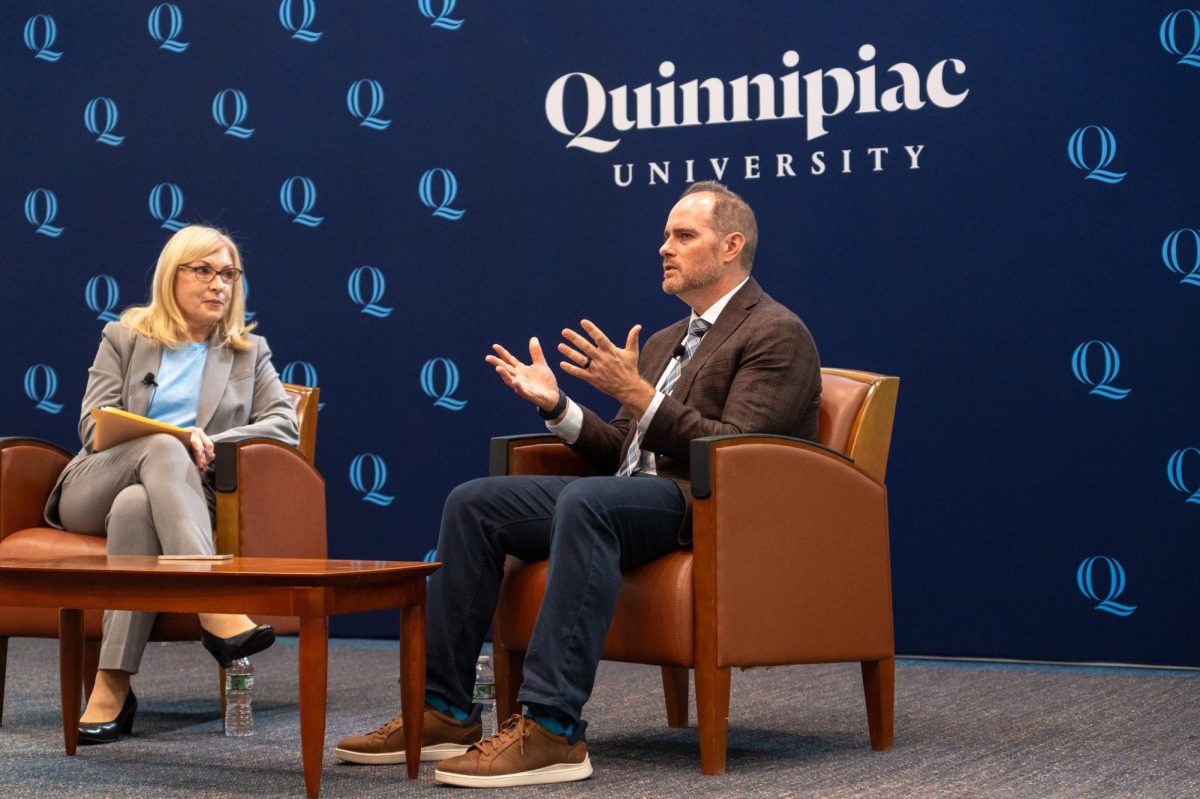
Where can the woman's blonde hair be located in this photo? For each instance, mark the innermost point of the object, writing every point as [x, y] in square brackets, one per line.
[162, 321]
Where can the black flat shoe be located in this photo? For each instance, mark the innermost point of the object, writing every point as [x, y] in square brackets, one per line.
[227, 650]
[110, 731]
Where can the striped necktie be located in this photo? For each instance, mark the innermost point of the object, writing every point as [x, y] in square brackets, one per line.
[696, 331]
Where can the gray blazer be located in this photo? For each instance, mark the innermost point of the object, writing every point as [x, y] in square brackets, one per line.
[240, 393]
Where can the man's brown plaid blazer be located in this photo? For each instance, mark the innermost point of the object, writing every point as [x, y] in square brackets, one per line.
[756, 371]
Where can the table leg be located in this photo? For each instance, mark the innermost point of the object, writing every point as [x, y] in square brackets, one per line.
[70, 672]
[412, 683]
[314, 686]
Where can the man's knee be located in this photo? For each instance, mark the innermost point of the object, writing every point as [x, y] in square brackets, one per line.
[467, 508]
[471, 494]
[586, 495]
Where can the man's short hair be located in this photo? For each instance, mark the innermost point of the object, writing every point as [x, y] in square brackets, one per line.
[731, 214]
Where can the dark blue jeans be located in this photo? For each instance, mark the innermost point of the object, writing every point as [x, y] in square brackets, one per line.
[590, 528]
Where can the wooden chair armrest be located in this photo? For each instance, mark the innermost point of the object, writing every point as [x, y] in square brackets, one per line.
[29, 468]
[270, 500]
[791, 548]
[536, 453]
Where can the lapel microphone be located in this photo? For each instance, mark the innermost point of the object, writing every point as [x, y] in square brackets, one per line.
[677, 353]
[148, 380]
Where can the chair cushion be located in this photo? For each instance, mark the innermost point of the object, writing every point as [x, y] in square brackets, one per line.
[36, 543]
[653, 619]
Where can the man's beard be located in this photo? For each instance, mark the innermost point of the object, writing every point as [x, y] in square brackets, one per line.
[702, 276]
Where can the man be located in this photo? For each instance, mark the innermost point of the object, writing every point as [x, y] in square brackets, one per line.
[741, 363]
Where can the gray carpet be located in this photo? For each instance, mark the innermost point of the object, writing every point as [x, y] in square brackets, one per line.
[962, 730]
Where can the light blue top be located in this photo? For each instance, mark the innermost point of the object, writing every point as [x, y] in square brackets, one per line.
[178, 392]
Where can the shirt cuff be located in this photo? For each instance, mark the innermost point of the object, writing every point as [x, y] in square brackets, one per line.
[648, 416]
[571, 425]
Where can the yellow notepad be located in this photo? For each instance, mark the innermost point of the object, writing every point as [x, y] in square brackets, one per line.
[115, 426]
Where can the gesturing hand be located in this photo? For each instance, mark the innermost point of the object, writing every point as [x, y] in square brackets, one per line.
[533, 381]
[607, 367]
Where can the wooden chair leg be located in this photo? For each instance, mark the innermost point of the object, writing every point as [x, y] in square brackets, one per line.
[712, 710]
[879, 687]
[675, 690]
[91, 664]
[3, 669]
[509, 669]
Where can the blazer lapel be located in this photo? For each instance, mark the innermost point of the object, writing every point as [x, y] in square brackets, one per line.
[212, 384]
[654, 362]
[731, 318]
[145, 359]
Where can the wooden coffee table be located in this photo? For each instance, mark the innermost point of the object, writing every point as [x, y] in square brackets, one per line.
[314, 590]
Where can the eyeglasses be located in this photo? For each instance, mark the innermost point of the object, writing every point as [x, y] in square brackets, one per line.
[205, 273]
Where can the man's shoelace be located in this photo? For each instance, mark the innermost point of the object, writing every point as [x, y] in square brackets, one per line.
[388, 727]
[516, 725]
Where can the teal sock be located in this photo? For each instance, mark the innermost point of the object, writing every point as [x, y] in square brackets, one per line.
[554, 721]
[439, 704]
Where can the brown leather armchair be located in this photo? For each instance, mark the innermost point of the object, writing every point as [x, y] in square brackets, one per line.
[789, 564]
[270, 503]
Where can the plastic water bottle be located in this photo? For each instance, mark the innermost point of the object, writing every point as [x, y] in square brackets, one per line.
[239, 692]
[485, 694]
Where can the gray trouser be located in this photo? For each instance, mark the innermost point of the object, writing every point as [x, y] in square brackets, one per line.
[149, 498]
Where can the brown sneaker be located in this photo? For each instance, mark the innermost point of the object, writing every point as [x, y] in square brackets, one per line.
[442, 736]
[523, 753]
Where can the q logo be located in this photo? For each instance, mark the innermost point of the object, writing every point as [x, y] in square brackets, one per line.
[354, 103]
[301, 373]
[441, 398]
[92, 294]
[307, 201]
[441, 209]
[103, 133]
[308, 14]
[379, 470]
[40, 45]
[430, 557]
[1112, 365]
[49, 208]
[167, 41]
[440, 20]
[1116, 585]
[1168, 36]
[46, 376]
[232, 122]
[1175, 474]
[1170, 256]
[368, 302]
[247, 315]
[168, 216]
[1108, 151]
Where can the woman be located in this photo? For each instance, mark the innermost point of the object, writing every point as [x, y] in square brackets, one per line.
[189, 359]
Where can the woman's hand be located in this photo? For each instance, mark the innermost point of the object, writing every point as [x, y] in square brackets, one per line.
[203, 449]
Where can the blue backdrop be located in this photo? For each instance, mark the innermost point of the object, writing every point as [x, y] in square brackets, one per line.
[995, 201]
